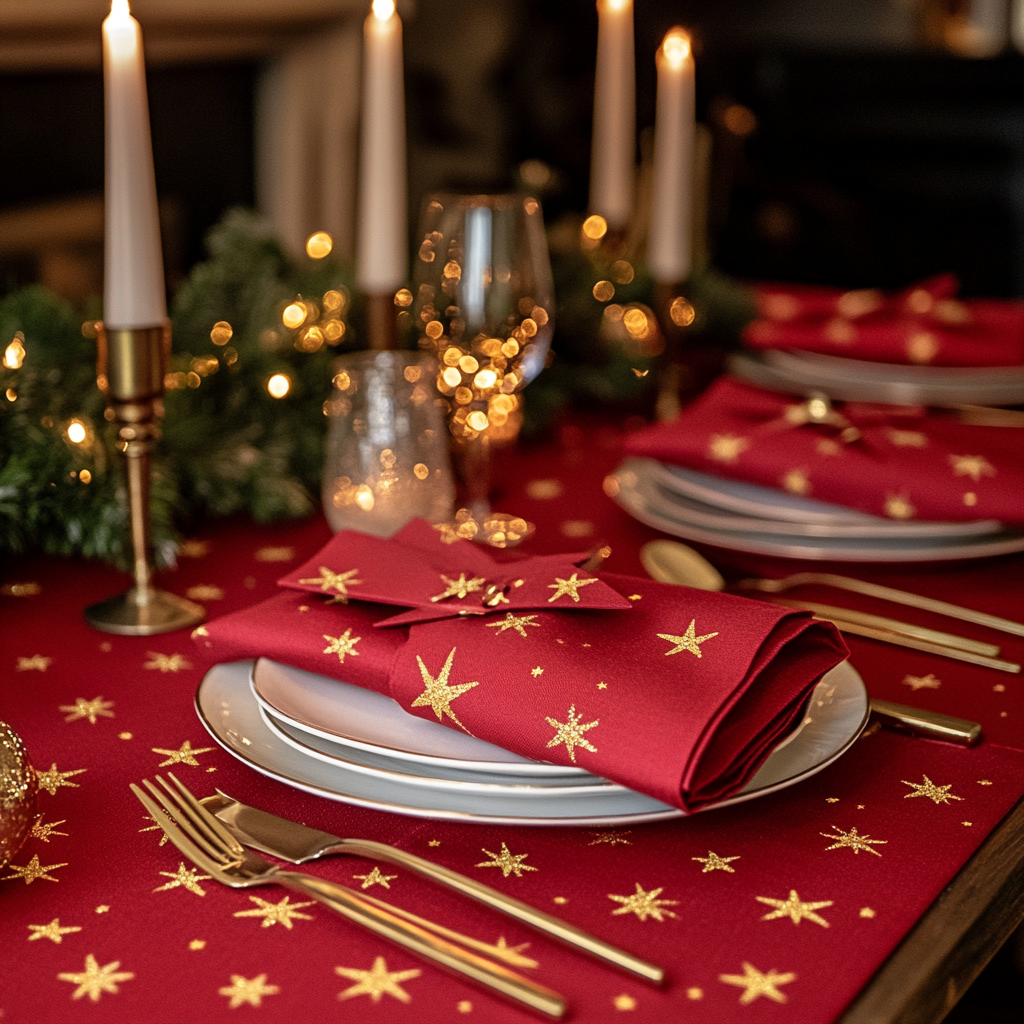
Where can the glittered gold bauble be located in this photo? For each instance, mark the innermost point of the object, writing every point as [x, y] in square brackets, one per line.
[17, 793]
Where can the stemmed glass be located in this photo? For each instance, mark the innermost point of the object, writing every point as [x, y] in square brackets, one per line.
[484, 305]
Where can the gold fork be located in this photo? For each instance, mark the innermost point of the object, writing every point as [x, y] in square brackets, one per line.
[205, 842]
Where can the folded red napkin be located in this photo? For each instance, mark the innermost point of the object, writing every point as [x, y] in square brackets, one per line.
[904, 462]
[924, 324]
[677, 693]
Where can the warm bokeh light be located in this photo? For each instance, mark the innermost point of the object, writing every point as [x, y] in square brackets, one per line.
[468, 364]
[319, 245]
[119, 10]
[221, 332]
[676, 47]
[85, 476]
[434, 329]
[485, 379]
[603, 291]
[421, 471]
[681, 312]
[279, 385]
[616, 5]
[452, 377]
[14, 354]
[383, 9]
[477, 420]
[333, 300]
[293, 315]
[364, 498]
[76, 432]
[12, 395]
[595, 227]
[739, 120]
[403, 298]
[342, 380]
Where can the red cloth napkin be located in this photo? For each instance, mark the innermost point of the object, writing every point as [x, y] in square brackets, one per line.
[678, 693]
[924, 324]
[907, 463]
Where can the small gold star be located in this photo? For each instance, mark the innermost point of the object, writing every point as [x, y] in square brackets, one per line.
[907, 438]
[571, 733]
[155, 827]
[689, 641]
[204, 592]
[726, 447]
[166, 662]
[36, 663]
[981, 782]
[375, 877]
[275, 554]
[43, 830]
[33, 870]
[939, 794]
[853, 841]
[52, 780]
[247, 990]
[91, 709]
[974, 466]
[52, 931]
[712, 862]
[95, 980]
[189, 878]
[866, 912]
[516, 622]
[796, 482]
[197, 944]
[282, 912]
[342, 645]
[339, 581]
[794, 909]
[535, 672]
[102, 909]
[199, 631]
[512, 954]
[183, 755]
[624, 1002]
[831, 799]
[568, 588]
[464, 1006]
[694, 993]
[602, 686]
[378, 981]
[461, 587]
[434, 842]
[437, 694]
[757, 984]
[510, 863]
[898, 506]
[928, 682]
[644, 904]
[615, 838]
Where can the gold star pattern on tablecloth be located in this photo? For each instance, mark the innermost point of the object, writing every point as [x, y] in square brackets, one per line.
[928, 682]
[516, 622]
[614, 838]
[712, 862]
[727, 447]
[375, 877]
[90, 709]
[689, 641]
[568, 588]
[536, 672]
[33, 870]
[437, 694]
[37, 663]
[939, 794]
[247, 990]
[796, 481]
[338, 581]
[52, 779]
[95, 980]
[45, 829]
[570, 732]
[155, 827]
[644, 904]
[183, 755]
[342, 645]
[898, 506]
[852, 840]
[187, 878]
[510, 863]
[459, 588]
[53, 931]
[282, 912]
[974, 466]
[377, 982]
[795, 909]
[166, 662]
[757, 984]
[512, 954]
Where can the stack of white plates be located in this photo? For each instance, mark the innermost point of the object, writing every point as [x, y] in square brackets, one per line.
[349, 744]
[760, 520]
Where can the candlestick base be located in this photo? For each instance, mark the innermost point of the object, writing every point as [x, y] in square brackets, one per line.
[138, 613]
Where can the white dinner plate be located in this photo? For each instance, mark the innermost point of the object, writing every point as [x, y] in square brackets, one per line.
[836, 715]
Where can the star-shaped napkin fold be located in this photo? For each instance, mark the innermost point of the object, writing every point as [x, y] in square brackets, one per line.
[415, 569]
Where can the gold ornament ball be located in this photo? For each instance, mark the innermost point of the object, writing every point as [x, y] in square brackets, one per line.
[17, 793]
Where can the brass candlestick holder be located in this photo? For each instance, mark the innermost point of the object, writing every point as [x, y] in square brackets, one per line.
[130, 372]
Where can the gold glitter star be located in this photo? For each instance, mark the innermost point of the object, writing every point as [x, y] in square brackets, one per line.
[867, 912]
[204, 592]
[928, 682]
[183, 755]
[33, 870]
[644, 904]
[508, 862]
[907, 438]
[796, 482]
[940, 794]
[342, 645]
[155, 827]
[282, 912]
[535, 672]
[461, 587]
[91, 709]
[516, 622]
[757, 984]
[712, 862]
[378, 981]
[434, 842]
[726, 447]
[52, 780]
[853, 841]
[898, 506]
[512, 954]
[247, 990]
[568, 588]
[36, 663]
[794, 909]
[375, 877]
[689, 641]
[199, 631]
[339, 581]
[43, 830]
[602, 686]
[571, 733]
[624, 1001]
[189, 878]
[437, 694]
[615, 838]
[52, 931]
[974, 466]
[166, 662]
[95, 980]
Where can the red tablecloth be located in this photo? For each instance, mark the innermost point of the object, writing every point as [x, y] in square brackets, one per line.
[775, 910]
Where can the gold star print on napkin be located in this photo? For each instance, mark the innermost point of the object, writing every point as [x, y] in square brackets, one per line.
[339, 582]
[166, 662]
[512, 954]
[247, 990]
[282, 912]
[34, 870]
[342, 645]
[570, 732]
[614, 838]
[516, 622]
[90, 709]
[37, 663]
[187, 878]
[712, 862]
[689, 641]
[52, 931]
[853, 841]
[726, 447]
[52, 780]
[377, 982]
[155, 827]
[644, 904]
[510, 863]
[974, 466]
[795, 909]
[375, 877]
[183, 755]
[44, 830]
[459, 588]
[568, 588]
[757, 984]
[928, 682]
[938, 794]
[95, 980]
[437, 694]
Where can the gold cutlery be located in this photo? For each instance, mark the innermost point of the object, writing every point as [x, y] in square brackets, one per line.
[926, 723]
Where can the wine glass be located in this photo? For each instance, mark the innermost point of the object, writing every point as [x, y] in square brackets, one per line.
[484, 305]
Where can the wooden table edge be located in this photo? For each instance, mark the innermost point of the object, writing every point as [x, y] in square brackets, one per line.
[957, 936]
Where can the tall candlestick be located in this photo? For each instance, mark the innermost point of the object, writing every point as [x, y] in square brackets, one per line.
[613, 145]
[669, 243]
[382, 248]
[133, 291]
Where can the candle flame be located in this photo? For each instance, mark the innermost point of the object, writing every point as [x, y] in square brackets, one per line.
[119, 10]
[676, 47]
[614, 5]
[383, 9]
